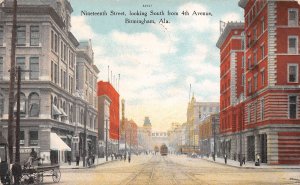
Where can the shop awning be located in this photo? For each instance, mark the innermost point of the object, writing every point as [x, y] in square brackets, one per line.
[63, 113]
[55, 111]
[56, 143]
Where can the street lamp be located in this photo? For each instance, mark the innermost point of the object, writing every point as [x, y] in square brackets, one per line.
[214, 127]
[106, 145]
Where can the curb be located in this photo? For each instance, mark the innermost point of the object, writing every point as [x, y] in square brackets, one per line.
[81, 167]
[247, 167]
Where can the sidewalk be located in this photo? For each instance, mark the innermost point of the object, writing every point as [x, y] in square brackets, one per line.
[98, 162]
[249, 165]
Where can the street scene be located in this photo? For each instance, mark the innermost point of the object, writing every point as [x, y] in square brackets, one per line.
[123, 92]
[156, 169]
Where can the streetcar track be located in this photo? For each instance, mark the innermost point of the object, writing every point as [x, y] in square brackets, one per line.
[151, 176]
[132, 179]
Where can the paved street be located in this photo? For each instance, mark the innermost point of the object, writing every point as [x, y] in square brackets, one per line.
[174, 170]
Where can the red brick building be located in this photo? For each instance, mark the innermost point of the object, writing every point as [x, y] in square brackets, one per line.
[271, 127]
[131, 130]
[231, 44]
[106, 89]
[272, 80]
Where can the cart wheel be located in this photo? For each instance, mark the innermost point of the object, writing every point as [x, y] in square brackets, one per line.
[56, 175]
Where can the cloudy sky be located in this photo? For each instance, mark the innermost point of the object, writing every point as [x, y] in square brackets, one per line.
[157, 62]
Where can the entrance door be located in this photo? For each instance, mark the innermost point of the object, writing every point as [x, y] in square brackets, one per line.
[263, 149]
[251, 148]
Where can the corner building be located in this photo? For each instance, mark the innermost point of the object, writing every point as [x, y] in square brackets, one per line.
[270, 125]
[52, 107]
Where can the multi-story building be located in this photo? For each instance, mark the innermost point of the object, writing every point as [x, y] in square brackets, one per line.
[196, 112]
[232, 80]
[209, 135]
[86, 93]
[144, 135]
[109, 97]
[51, 108]
[131, 135]
[269, 118]
[272, 127]
[174, 137]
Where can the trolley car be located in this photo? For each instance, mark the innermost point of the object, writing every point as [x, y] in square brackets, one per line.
[163, 150]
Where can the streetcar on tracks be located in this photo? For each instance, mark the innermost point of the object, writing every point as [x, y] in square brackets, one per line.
[163, 150]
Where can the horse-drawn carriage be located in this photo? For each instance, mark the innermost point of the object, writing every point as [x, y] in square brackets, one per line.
[29, 173]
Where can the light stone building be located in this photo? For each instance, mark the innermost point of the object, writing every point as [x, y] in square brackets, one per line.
[52, 101]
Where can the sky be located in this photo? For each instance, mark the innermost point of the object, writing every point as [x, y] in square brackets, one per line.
[157, 62]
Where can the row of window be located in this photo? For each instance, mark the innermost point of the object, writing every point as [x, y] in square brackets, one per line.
[254, 107]
[66, 54]
[253, 12]
[292, 109]
[34, 67]
[253, 63]
[292, 77]
[33, 138]
[253, 84]
[34, 37]
[66, 81]
[66, 112]
[28, 107]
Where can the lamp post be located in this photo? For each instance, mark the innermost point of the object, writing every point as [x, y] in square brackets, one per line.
[106, 145]
[84, 139]
[214, 127]
[241, 162]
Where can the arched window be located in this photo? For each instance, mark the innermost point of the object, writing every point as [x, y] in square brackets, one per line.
[34, 105]
[1, 105]
[55, 101]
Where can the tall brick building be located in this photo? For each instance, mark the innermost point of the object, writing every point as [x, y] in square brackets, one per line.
[271, 61]
[109, 97]
[231, 44]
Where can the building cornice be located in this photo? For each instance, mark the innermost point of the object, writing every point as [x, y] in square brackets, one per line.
[229, 26]
[37, 10]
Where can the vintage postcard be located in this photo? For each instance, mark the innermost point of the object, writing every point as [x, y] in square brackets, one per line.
[149, 92]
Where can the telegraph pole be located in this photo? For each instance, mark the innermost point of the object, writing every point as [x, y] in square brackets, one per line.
[241, 152]
[214, 122]
[84, 139]
[106, 146]
[11, 85]
[17, 156]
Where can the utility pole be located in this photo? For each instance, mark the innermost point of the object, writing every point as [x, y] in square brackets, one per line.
[119, 138]
[106, 145]
[17, 155]
[11, 85]
[214, 122]
[241, 157]
[84, 139]
[130, 140]
[125, 142]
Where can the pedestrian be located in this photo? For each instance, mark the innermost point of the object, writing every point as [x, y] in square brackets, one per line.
[69, 158]
[129, 158]
[225, 157]
[244, 160]
[124, 157]
[77, 160]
